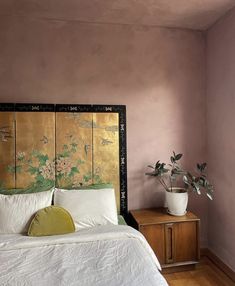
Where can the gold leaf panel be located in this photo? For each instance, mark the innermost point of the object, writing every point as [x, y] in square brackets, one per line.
[106, 151]
[35, 149]
[73, 149]
[7, 150]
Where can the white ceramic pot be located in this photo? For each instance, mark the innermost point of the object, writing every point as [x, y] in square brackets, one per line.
[177, 201]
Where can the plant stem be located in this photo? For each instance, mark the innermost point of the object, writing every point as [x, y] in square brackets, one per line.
[171, 183]
[162, 183]
[173, 166]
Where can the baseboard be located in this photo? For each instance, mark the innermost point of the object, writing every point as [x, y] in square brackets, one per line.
[218, 262]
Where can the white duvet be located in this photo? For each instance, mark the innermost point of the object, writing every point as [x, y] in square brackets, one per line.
[99, 256]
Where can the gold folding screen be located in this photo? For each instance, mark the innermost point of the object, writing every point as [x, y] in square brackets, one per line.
[66, 146]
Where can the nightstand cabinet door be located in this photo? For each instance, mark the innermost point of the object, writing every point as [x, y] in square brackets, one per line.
[186, 244]
[155, 235]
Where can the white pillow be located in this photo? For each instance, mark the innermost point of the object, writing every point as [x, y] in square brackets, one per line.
[16, 211]
[88, 207]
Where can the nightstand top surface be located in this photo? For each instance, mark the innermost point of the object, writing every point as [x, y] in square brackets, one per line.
[160, 215]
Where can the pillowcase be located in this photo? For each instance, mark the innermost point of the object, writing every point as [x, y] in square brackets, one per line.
[51, 220]
[16, 211]
[88, 207]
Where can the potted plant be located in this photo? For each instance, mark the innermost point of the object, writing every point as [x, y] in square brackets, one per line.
[170, 175]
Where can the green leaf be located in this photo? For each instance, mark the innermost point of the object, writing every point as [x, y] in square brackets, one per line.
[11, 169]
[162, 166]
[65, 147]
[59, 176]
[204, 166]
[87, 177]
[202, 181]
[201, 167]
[190, 176]
[74, 145]
[80, 161]
[209, 196]
[210, 188]
[18, 169]
[74, 170]
[65, 154]
[42, 159]
[97, 179]
[35, 153]
[33, 170]
[150, 166]
[172, 160]
[185, 179]
[157, 165]
[178, 156]
[153, 174]
[40, 179]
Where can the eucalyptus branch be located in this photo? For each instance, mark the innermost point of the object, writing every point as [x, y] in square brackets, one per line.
[192, 182]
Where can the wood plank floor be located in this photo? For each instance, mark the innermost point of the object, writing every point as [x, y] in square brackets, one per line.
[205, 274]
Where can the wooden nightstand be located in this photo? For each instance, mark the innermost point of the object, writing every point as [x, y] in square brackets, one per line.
[175, 240]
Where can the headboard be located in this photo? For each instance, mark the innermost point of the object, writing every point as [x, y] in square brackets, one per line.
[67, 146]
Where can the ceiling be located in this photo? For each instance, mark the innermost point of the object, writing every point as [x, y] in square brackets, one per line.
[189, 14]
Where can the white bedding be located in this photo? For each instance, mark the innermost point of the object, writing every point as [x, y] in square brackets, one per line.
[99, 256]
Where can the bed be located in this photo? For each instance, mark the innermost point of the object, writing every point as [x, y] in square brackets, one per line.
[71, 187]
[107, 255]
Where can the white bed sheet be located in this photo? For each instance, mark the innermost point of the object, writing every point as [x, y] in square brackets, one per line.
[106, 255]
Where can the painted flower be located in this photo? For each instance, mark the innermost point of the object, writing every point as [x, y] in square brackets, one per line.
[48, 170]
[78, 182]
[20, 156]
[63, 166]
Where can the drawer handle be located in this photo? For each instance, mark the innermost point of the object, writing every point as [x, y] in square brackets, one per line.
[169, 242]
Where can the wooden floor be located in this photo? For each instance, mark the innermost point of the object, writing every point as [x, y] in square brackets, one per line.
[205, 274]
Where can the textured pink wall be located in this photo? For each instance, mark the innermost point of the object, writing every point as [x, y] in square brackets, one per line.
[158, 73]
[221, 136]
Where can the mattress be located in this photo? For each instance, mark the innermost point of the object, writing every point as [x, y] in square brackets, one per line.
[103, 255]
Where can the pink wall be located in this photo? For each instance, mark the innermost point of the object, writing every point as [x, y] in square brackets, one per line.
[221, 135]
[158, 73]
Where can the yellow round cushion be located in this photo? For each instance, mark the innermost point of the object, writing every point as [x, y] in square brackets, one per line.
[51, 220]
